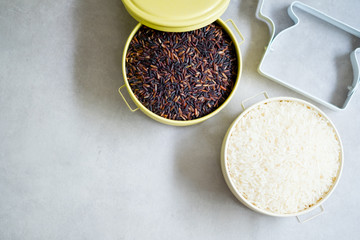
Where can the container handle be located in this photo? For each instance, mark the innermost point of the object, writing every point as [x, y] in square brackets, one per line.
[262, 93]
[236, 29]
[131, 109]
[322, 210]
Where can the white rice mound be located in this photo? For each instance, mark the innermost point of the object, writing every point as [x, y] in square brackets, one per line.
[283, 156]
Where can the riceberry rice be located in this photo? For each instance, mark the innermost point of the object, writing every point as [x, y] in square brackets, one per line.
[182, 75]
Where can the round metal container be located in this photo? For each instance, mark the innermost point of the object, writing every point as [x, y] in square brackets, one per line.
[226, 173]
[181, 122]
[177, 15]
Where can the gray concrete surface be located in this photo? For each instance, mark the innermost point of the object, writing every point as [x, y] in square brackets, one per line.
[75, 163]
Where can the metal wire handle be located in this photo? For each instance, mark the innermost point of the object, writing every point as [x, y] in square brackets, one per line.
[237, 30]
[312, 217]
[262, 93]
[131, 109]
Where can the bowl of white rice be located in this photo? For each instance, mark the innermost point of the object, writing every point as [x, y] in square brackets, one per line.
[282, 157]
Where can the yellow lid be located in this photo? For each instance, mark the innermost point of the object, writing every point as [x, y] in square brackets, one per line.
[176, 15]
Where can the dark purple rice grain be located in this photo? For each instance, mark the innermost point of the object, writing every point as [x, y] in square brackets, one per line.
[182, 76]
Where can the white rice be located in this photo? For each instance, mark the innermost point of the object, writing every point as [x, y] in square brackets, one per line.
[283, 156]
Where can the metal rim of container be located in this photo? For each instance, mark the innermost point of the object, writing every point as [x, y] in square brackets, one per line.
[235, 191]
[180, 122]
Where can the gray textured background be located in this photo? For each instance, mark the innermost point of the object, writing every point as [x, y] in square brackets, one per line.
[75, 163]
